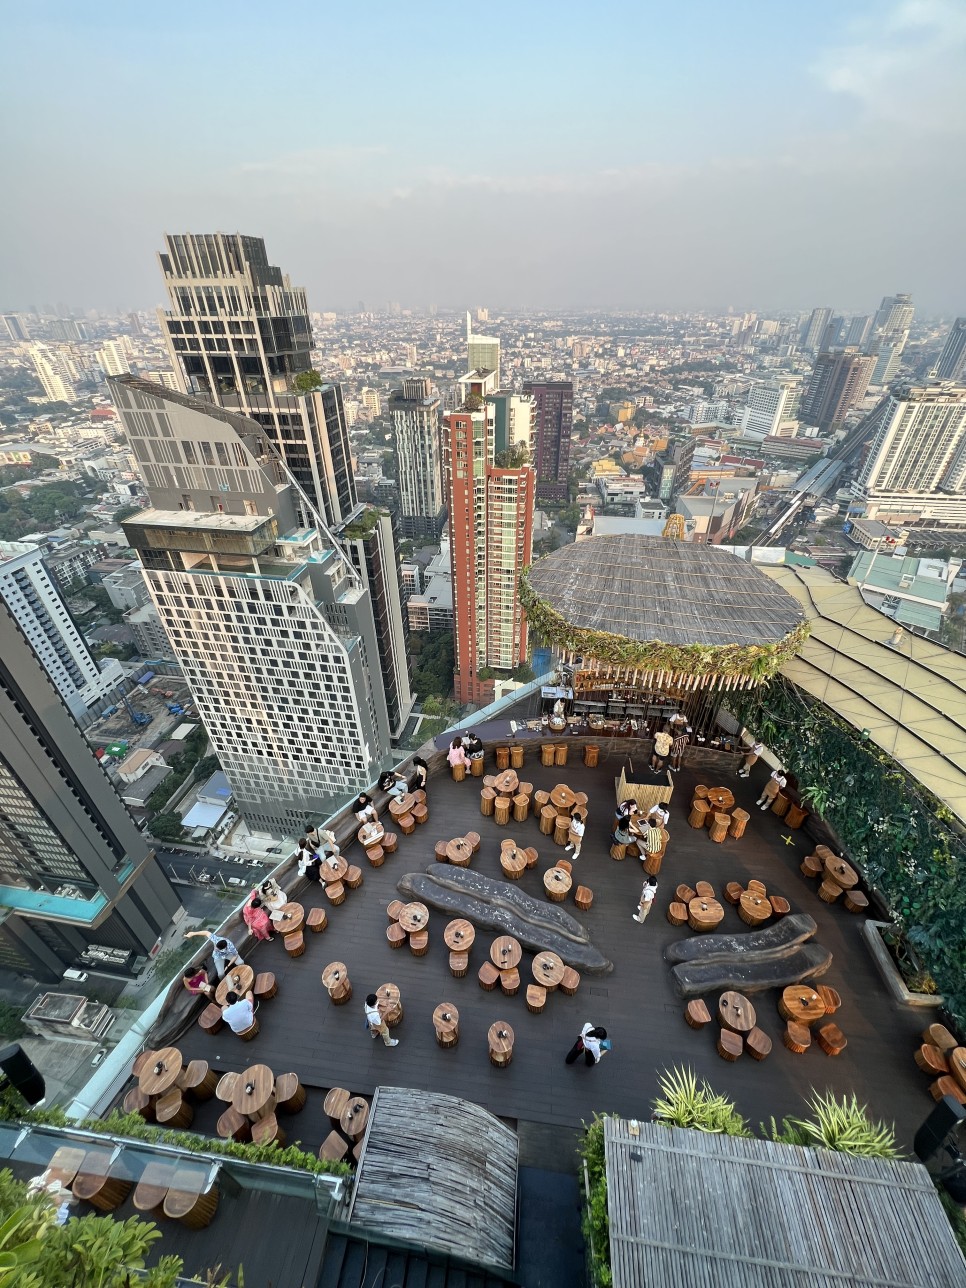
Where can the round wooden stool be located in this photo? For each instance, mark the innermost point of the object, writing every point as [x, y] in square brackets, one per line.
[856, 901]
[390, 842]
[487, 798]
[931, 1060]
[476, 767]
[316, 920]
[136, 1102]
[718, 827]
[335, 892]
[419, 943]
[547, 752]
[446, 1023]
[828, 891]
[700, 793]
[488, 976]
[561, 829]
[459, 773]
[548, 820]
[618, 852]
[739, 821]
[267, 1132]
[704, 890]
[473, 840]
[758, 1044]
[510, 981]
[730, 1045]
[536, 998]
[502, 758]
[516, 756]
[376, 856]
[830, 998]
[570, 982]
[234, 1126]
[532, 856]
[699, 812]
[395, 935]
[406, 824]
[684, 894]
[811, 866]
[501, 810]
[677, 913]
[937, 1035]
[584, 898]
[780, 805]
[831, 1039]
[173, 1110]
[294, 944]
[652, 864]
[733, 891]
[560, 754]
[199, 1080]
[591, 754]
[947, 1086]
[459, 964]
[289, 1094]
[210, 1020]
[521, 809]
[779, 906]
[797, 1037]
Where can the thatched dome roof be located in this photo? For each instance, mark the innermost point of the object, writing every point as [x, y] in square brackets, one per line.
[645, 601]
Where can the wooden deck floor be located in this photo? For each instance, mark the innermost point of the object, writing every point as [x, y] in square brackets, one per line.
[329, 1046]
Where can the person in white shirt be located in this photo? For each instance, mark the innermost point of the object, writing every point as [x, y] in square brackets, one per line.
[577, 829]
[658, 815]
[771, 789]
[751, 758]
[646, 900]
[224, 953]
[239, 1012]
[377, 1025]
[592, 1043]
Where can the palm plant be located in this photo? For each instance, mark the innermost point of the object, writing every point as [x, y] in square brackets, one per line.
[686, 1104]
[842, 1125]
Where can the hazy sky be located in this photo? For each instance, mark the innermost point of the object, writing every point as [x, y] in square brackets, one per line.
[682, 154]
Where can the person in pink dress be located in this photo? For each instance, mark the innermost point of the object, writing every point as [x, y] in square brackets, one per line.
[256, 918]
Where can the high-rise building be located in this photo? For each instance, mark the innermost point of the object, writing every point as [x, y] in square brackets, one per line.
[16, 327]
[54, 373]
[491, 541]
[75, 872]
[838, 381]
[554, 403]
[890, 331]
[239, 333]
[857, 332]
[33, 598]
[514, 421]
[813, 332]
[415, 413]
[771, 405]
[675, 466]
[270, 621]
[952, 360]
[113, 359]
[915, 467]
[482, 352]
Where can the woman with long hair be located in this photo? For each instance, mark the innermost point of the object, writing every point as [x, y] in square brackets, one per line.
[256, 918]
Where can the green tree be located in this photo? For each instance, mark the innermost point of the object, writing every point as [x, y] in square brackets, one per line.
[523, 673]
[443, 712]
[11, 1025]
[389, 464]
[485, 673]
[205, 767]
[167, 827]
[433, 672]
[306, 381]
[125, 512]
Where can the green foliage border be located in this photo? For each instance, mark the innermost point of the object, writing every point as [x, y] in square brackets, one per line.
[908, 846]
[754, 662]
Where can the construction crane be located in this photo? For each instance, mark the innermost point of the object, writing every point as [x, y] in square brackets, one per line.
[674, 528]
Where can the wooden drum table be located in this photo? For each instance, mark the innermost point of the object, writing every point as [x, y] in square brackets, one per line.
[704, 914]
[505, 952]
[414, 917]
[736, 1013]
[801, 1004]
[446, 1022]
[506, 784]
[721, 798]
[459, 935]
[500, 1041]
[289, 918]
[162, 1073]
[254, 1093]
[557, 884]
[333, 868]
[354, 1117]
[754, 908]
[238, 980]
[400, 805]
[459, 851]
[513, 861]
[841, 874]
[335, 976]
[548, 970]
[562, 799]
[391, 1008]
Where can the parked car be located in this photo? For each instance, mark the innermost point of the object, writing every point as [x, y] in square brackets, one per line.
[99, 1055]
[236, 881]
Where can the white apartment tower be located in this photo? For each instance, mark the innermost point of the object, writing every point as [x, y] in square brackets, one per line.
[113, 357]
[415, 413]
[890, 331]
[37, 606]
[269, 620]
[772, 408]
[55, 373]
[952, 361]
[916, 464]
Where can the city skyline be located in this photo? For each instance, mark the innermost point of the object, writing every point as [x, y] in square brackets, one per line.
[599, 195]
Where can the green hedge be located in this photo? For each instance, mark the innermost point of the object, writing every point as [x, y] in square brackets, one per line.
[904, 841]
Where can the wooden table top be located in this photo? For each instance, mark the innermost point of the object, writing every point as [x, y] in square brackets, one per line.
[505, 952]
[557, 879]
[802, 1003]
[957, 1065]
[155, 1081]
[722, 798]
[261, 1080]
[289, 918]
[334, 974]
[548, 968]
[400, 805]
[735, 1012]
[841, 873]
[458, 849]
[757, 906]
[335, 1101]
[500, 1038]
[459, 935]
[705, 911]
[333, 868]
[413, 917]
[64, 1163]
[446, 1018]
[506, 783]
[562, 797]
[389, 994]
[354, 1116]
[370, 833]
[512, 857]
[238, 980]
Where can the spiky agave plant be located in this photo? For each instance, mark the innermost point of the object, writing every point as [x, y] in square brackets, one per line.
[686, 1104]
[845, 1125]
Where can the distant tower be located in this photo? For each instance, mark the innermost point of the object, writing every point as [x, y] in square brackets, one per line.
[952, 360]
[890, 331]
[554, 402]
[482, 351]
[813, 332]
[415, 411]
[838, 381]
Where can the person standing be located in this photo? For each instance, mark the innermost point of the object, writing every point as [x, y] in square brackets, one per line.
[224, 953]
[751, 759]
[577, 829]
[377, 1025]
[420, 775]
[680, 740]
[771, 789]
[591, 1043]
[662, 746]
[648, 894]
